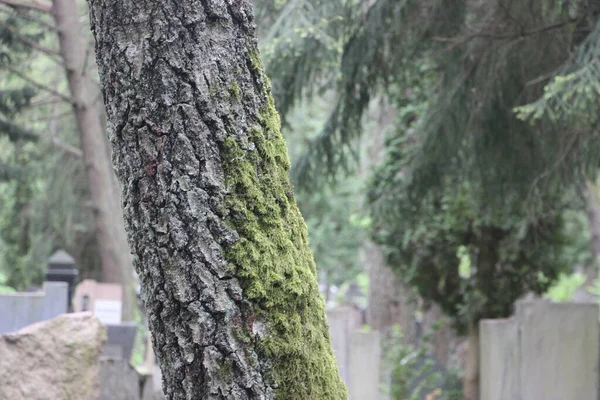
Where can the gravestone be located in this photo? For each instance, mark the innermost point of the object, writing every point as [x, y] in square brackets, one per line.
[120, 342]
[548, 351]
[342, 321]
[62, 268]
[119, 380]
[18, 310]
[363, 365]
[103, 299]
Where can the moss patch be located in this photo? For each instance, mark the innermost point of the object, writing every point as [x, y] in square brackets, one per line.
[274, 263]
[234, 91]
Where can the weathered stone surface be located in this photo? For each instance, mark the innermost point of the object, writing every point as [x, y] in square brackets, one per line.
[119, 380]
[545, 351]
[52, 360]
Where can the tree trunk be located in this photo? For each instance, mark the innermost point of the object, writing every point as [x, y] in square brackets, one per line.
[110, 232]
[593, 214]
[388, 301]
[471, 376]
[228, 280]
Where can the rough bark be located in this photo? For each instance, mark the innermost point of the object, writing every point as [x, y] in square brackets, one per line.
[110, 233]
[471, 376]
[227, 277]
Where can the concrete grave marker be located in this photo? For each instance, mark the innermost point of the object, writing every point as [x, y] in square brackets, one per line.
[105, 300]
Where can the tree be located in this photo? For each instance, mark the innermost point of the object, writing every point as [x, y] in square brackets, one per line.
[486, 59]
[227, 277]
[310, 44]
[110, 231]
[15, 167]
[72, 56]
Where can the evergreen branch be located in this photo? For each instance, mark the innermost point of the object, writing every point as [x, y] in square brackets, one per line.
[33, 18]
[15, 132]
[460, 40]
[8, 172]
[37, 5]
[38, 84]
[31, 43]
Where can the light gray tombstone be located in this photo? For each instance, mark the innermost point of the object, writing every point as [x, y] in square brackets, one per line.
[342, 321]
[56, 299]
[546, 351]
[19, 310]
[364, 364]
[499, 359]
[559, 350]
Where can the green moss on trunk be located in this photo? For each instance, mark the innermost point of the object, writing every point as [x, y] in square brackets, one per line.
[273, 261]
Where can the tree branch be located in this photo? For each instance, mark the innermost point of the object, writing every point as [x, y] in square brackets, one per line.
[37, 84]
[67, 148]
[30, 43]
[37, 5]
[500, 36]
[33, 17]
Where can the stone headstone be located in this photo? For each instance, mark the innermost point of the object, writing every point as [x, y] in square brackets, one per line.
[121, 339]
[560, 350]
[62, 268]
[499, 359]
[119, 380]
[363, 365]
[18, 310]
[547, 351]
[342, 321]
[103, 299]
[56, 359]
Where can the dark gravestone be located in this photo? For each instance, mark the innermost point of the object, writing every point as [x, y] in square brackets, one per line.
[119, 380]
[62, 268]
[120, 341]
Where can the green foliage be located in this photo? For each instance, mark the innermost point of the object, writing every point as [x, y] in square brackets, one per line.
[565, 287]
[414, 372]
[358, 48]
[501, 256]
[4, 288]
[574, 90]
[43, 190]
[473, 259]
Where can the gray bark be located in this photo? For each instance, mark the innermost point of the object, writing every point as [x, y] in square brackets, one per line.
[593, 214]
[388, 301]
[228, 282]
[471, 377]
[110, 232]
